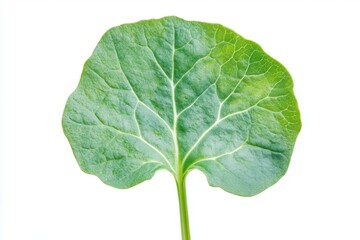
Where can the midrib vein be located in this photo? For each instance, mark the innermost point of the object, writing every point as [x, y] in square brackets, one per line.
[178, 170]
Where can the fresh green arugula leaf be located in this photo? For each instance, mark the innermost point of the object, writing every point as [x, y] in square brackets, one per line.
[181, 95]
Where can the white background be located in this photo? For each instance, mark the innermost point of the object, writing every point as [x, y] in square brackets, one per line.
[44, 194]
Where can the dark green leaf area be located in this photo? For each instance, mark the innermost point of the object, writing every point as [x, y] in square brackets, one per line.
[181, 95]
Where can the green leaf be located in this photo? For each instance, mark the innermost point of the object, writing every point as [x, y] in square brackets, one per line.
[179, 95]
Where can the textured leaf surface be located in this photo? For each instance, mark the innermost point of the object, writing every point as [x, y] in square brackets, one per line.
[179, 95]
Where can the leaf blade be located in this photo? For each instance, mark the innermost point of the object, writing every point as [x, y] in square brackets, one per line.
[179, 95]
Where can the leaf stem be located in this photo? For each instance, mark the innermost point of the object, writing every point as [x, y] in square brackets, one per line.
[184, 217]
